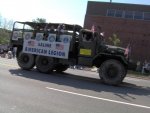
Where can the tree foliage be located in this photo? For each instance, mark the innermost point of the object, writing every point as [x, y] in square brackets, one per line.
[7, 25]
[115, 40]
[39, 20]
[4, 36]
[5, 30]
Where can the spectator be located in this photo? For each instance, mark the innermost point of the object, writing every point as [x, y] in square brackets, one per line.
[14, 52]
[9, 54]
[138, 66]
[145, 67]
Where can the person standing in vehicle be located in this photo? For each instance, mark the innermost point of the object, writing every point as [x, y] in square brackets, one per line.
[100, 39]
[45, 35]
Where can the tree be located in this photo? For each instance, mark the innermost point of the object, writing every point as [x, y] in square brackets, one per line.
[0, 20]
[39, 20]
[4, 36]
[115, 40]
[5, 30]
[7, 24]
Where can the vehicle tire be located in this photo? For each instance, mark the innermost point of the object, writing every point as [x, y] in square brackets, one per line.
[112, 72]
[60, 68]
[26, 61]
[44, 64]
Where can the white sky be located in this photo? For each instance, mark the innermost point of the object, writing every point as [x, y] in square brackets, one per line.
[51, 10]
[57, 11]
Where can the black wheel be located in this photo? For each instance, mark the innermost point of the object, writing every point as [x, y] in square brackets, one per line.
[60, 68]
[44, 64]
[26, 61]
[112, 72]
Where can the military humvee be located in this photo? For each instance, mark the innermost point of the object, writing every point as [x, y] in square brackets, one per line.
[55, 46]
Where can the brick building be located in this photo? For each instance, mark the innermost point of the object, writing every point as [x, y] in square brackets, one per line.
[130, 22]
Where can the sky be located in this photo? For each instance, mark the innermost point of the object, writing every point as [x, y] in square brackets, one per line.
[57, 11]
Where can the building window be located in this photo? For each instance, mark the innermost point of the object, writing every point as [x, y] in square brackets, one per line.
[138, 15]
[129, 14]
[111, 12]
[146, 15]
[119, 13]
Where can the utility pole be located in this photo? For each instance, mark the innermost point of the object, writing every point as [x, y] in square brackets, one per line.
[110, 1]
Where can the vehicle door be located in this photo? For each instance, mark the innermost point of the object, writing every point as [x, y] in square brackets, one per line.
[87, 48]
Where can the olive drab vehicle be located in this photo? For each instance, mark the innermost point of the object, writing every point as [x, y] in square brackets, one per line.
[55, 46]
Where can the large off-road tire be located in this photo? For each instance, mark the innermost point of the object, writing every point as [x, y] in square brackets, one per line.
[44, 64]
[26, 61]
[60, 68]
[112, 72]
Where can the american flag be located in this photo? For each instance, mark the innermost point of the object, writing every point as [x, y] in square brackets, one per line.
[31, 43]
[59, 46]
[127, 50]
[93, 28]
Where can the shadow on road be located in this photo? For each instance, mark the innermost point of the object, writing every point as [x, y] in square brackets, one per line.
[124, 91]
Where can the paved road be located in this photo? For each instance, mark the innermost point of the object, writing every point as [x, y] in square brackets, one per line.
[74, 91]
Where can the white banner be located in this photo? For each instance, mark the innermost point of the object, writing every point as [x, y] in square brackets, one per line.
[54, 46]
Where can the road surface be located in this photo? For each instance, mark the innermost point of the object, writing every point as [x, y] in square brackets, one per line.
[74, 91]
